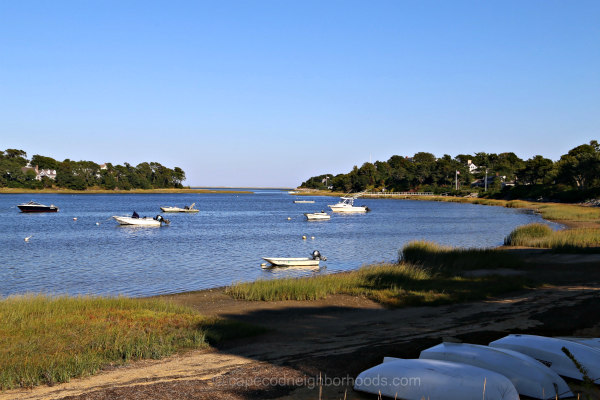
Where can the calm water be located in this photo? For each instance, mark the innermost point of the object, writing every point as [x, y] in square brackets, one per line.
[221, 244]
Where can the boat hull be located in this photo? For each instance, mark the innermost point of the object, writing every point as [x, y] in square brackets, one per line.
[434, 380]
[129, 221]
[303, 201]
[317, 216]
[292, 262]
[37, 209]
[178, 210]
[347, 209]
[529, 376]
[549, 351]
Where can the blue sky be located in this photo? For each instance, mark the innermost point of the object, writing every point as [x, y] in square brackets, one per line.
[269, 93]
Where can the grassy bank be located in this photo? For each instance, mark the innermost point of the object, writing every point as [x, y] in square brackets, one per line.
[394, 285]
[456, 259]
[5, 190]
[46, 340]
[576, 240]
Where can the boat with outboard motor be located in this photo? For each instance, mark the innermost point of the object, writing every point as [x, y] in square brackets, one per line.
[144, 221]
[312, 261]
[346, 205]
[34, 207]
[186, 209]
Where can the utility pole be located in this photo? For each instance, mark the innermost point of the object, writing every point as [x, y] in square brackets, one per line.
[456, 181]
[485, 190]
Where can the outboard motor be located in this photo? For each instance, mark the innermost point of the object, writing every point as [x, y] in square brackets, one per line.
[158, 218]
[316, 255]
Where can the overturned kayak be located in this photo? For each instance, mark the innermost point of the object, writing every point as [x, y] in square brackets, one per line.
[592, 342]
[434, 380]
[529, 376]
[549, 351]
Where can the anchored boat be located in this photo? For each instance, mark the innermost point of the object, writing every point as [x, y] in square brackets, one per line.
[186, 209]
[33, 207]
[312, 261]
[318, 216]
[346, 205]
[145, 221]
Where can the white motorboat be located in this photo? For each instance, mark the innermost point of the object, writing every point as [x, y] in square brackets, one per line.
[435, 380]
[346, 205]
[549, 351]
[303, 201]
[145, 221]
[318, 216]
[186, 209]
[529, 376]
[312, 261]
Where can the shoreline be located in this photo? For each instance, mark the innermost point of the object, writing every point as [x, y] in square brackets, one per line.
[106, 191]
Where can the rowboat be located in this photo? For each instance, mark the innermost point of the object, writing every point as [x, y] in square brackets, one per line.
[317, 216]
[312, 261]
[529, 376]
[550, 352]
[346, 205]
[433, 379]
[33, 207]
[145, 221]
[186, 209]
[592, 342]
[303, 201]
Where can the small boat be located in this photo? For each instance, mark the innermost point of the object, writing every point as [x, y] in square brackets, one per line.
[592, 342]
[346, 205]
[33, 207]
[145, 221]
[312, 261]
[186, 209]
[303, 201]
[549, 351]
[436, 380]
[318, 216]
[529, 376]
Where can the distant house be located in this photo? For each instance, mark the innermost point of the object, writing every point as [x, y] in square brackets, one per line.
[103, 166]
[472, 167]
[40, 173]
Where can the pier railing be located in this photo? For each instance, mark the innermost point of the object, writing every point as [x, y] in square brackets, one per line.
[395, 194]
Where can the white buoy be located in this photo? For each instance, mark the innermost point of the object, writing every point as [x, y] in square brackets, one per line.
[28, 237]
[97, 223]
[289, 218]
[74, 218]
[312, 237]
[303, 237]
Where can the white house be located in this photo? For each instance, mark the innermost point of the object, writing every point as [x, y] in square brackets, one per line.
[472, 167]
[40, 173]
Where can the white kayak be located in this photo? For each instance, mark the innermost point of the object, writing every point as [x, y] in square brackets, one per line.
[145, 221]
[549, 351]
[529, 376]
[434, 380]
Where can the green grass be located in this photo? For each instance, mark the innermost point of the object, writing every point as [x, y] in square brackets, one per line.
[542, 236]
[451, 259]
[46, 340]
[394, 285]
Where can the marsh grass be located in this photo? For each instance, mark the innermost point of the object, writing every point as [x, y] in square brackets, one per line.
[453, 259]
[46, 340]
[394, 285]
[542, 236]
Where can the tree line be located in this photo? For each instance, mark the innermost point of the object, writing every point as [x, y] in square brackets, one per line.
[574, 177]
[81, 175]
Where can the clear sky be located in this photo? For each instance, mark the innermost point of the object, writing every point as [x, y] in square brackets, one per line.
[269, 93]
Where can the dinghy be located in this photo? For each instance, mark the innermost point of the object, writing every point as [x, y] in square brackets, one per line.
[317, 216]
[186, 209]
[145, 221]
[592, 342]
[434, 380]
[529, 376]
[549, 351]
[312, 261]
